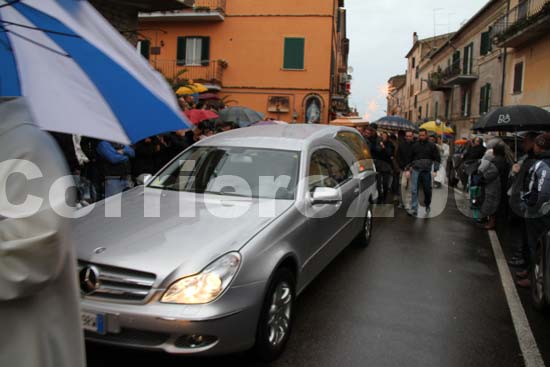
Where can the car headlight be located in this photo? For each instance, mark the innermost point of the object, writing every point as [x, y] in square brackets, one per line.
[205, 286]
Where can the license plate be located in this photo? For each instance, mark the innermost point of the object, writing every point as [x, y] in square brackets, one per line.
[93, 322]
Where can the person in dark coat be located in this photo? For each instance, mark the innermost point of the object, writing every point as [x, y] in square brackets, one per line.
[146, 158]
[404, 159]
[425, 155]
[519, 185]
[494, 170]
[177, 142]
[536, 201]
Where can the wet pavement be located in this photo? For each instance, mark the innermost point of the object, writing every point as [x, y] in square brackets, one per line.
[424, 293]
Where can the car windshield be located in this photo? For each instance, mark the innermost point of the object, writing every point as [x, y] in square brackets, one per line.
[245, 172]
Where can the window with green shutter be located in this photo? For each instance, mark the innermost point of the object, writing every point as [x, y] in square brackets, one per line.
[486, 46]
[193, 51]
[485, 99]
[145, 48]
[294, 53]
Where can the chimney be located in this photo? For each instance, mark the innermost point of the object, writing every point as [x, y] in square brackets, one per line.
[415, 37]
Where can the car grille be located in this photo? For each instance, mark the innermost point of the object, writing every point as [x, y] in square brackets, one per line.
[131, 337]
[111, 283]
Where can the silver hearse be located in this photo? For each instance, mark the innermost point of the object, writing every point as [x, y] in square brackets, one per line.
[209, 255]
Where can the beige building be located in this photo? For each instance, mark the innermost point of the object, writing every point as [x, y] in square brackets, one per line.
[467, 72]
[524, 33]
[396, 95]
[416, 106]
[499, 57]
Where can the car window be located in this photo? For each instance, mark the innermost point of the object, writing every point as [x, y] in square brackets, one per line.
[327, 169]
[357, 145]
[236, 171]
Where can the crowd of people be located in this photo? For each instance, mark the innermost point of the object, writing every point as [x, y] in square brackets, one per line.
[405, 164]
[500, 187]
[102, 168]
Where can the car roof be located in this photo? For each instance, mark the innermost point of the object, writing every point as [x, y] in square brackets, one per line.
[285, 137]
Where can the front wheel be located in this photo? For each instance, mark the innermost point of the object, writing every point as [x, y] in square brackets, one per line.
[364, 237]
[275, 323]
[538, 285]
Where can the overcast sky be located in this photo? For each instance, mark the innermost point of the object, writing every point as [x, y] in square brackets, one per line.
[381, 35]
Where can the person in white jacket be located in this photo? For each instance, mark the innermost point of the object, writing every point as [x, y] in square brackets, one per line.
[39, 298]
[441, 178]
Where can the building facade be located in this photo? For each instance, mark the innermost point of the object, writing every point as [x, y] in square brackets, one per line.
[396, 95]
[123, 14]
[285, 58]
[524, 33]
[466, 74]
[499, 57]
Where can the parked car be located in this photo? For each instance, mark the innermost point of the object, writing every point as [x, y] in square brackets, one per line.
[215, 264]
[540, 276]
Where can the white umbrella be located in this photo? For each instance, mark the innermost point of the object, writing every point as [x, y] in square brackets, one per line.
[79, 74]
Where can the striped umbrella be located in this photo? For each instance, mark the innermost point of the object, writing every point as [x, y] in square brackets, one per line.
[396, 123]
[79, 75]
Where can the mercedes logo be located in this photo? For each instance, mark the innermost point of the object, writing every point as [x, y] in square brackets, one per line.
[89, 279]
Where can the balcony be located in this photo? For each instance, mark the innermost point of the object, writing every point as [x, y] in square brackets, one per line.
[202, 11]
[529, 20]
[458, 73]
[210, 73]
[435, 82]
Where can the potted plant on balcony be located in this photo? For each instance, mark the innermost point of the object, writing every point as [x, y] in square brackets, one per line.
[223, 63]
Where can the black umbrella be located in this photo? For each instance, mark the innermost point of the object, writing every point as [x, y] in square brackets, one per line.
[514, 119]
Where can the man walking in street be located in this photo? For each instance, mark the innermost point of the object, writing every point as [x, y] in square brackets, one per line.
[404, 158]
[425, 155]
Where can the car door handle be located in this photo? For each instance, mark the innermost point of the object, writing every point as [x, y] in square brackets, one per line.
[356, 191]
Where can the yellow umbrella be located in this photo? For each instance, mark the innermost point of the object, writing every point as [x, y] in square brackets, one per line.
[191, 89]
[199, 88]
[437, 127]
[185, 91]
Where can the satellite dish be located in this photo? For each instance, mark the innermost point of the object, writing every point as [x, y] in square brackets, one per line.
[350, 70]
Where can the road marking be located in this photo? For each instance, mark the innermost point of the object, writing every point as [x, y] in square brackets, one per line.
[527, 343]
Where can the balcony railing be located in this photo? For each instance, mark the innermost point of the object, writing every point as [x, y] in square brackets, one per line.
[203, 10]
[529, 19]
[210, 5]
[456, 74]
[210, 72]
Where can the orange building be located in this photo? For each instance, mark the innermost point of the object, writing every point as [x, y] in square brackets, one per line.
[285, 58]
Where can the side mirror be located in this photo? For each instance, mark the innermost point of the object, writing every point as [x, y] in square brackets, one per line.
[325, 195]
[144, 179]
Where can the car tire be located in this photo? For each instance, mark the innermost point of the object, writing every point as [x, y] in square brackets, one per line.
[364, 237]
[538, 295]
[276, 318]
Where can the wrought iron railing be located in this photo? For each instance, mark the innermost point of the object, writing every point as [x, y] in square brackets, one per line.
[210, 5]
[439, 78]
[520, 16]
[209, 71]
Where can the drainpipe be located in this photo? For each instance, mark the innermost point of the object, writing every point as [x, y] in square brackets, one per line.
[505, 56]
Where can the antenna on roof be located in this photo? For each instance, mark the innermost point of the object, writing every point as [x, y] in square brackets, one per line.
[435, 25]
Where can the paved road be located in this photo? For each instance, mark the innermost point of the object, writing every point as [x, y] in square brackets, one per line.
[425, 293]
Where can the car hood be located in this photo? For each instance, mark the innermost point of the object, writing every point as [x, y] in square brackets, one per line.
[170, 242]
